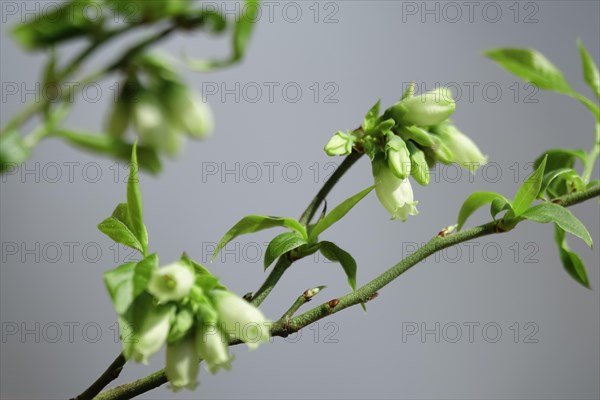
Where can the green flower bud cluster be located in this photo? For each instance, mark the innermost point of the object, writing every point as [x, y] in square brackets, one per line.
[159, 106]
[185, 307]
[408, 139]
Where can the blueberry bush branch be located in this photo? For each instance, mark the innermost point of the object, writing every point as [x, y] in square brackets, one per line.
[406, 140]
[286, 326]
[181, 305]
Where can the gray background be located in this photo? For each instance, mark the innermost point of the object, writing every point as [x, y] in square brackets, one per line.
[370, 52]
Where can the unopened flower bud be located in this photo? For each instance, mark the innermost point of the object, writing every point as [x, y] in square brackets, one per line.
[212, 347]
[340, 144]
[172, 282]
[188, 112]
[182, 364]
[398, 156]
[430, 108]
[310, 293]
[242, 320]
[152, 332]
[464, 150]
[394, 193]
[151, 122]
[418, 164]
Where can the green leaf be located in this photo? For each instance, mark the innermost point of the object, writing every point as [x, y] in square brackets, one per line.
[182, 323]
[134, 203]
[371, 117]
[551, 176]
[143, 272]
[243, 28]
[498, 205]
[13, 150]
[409, 92]
[476, 201]
[241, 36]
[118, 228]
[529, 190]
[281, 244]
[333, 253]
[337, 213]
[255, 223]
[114, 147]
[57, 24]
[119, 283]
[590, 70]
[126, 282]
[384, 127]
[593, 183]
[204, 279]
[570, 260]
[531, 66]
[560, 158]
[550, 212]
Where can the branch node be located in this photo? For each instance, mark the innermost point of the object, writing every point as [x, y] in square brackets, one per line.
[373, 296]
[333, 303]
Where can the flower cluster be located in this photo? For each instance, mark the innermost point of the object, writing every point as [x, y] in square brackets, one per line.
[186, 307]
[408, 139]
[159, 106]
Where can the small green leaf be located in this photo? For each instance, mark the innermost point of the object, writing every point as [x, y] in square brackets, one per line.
[57, 24]
[337, 213]
[241, 36]
[134, 203]
[204, 279]
[529, 190]
[371, 117]
[384, 127]
[570, 260]
[409, 92]
[498, 205]
[182, 323]
[255, 223]
[118, 228]
[590, 70]
[198, 268]
[243, 28]
[551, 176]
[280, 245]
[128, 281]
[119, 283]
[143, 272]
[333, 253]
[474, 202]
[115, 147]
[531, 66]
[550, 212]
[560, 158]
[593, 183]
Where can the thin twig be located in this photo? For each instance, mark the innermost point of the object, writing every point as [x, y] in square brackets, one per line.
[112, 372]
[284, 261]
[300, 301]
